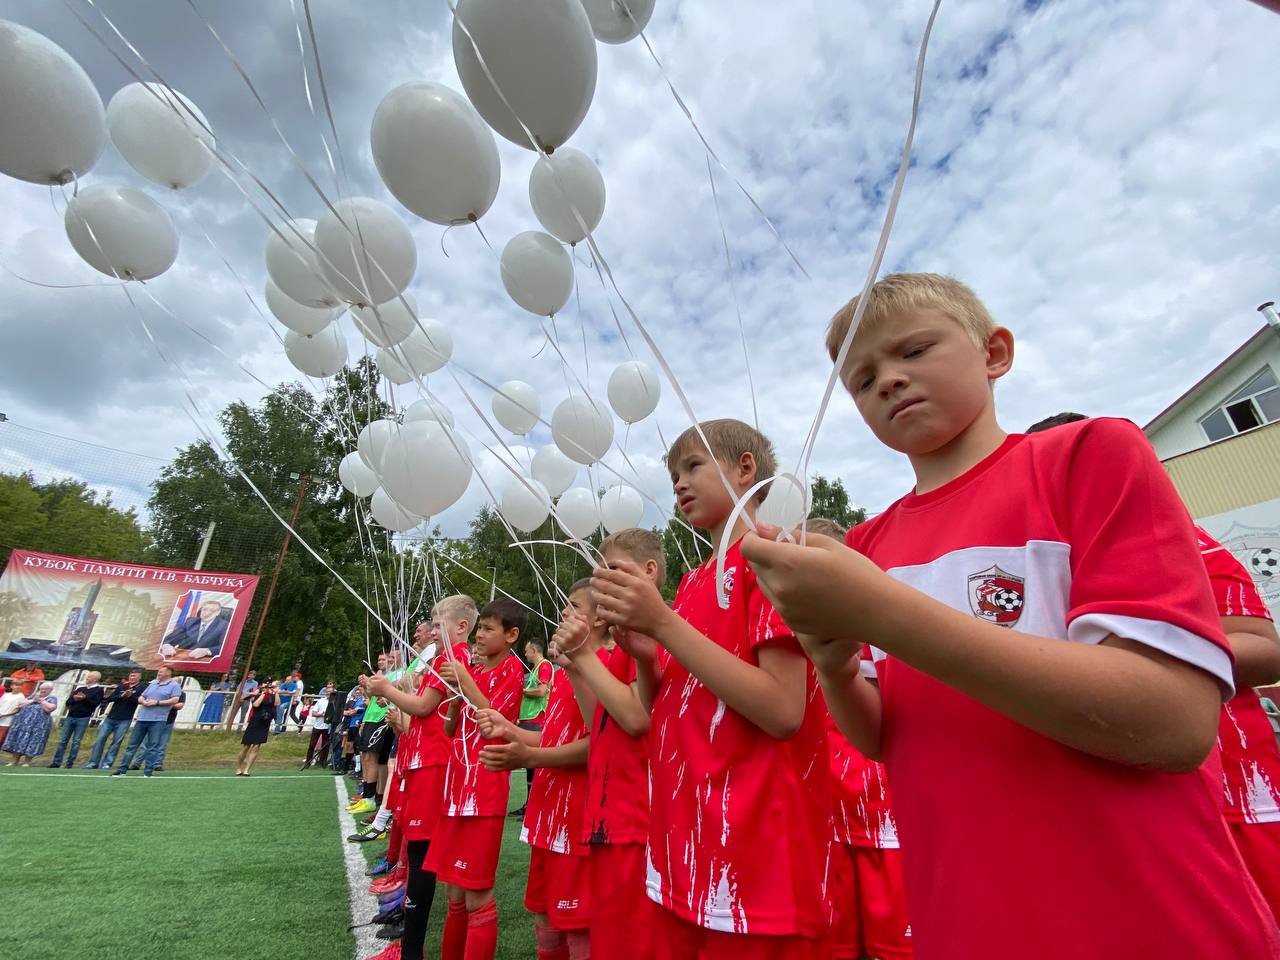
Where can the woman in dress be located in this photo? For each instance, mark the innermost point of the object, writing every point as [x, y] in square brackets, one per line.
[214, 703]
[262, 712]
[29, 732]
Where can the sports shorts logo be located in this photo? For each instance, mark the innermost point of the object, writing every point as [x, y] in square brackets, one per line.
[997, 596]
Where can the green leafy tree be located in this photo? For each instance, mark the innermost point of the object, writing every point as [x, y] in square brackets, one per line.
[831, 500]
[67, 517]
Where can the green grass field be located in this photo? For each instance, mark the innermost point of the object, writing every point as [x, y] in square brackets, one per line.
[196, 864]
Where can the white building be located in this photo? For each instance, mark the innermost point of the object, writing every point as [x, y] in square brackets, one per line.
[1220, 442]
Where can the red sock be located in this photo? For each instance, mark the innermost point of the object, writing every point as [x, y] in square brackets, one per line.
[395, 846]
[551, 943]
[453, 943]
[482, 932]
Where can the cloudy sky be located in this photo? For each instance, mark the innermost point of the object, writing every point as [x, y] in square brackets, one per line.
[1105, 175]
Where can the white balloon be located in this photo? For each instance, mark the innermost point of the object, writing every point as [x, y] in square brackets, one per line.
[553, 470]
[543, 58]
[387, 324]
[354, 474]
[614, 22]
[387, 513]
[434, 153]
[786, 503]
[294, 315]
[517, 407]
[151, 127]
[369, 254]
[372, 442]
[634, 390]
[319, 355]
[566, 180]
[427, 348]
[50, 113]
[621, 508]
[525, 504]
[429, 408]
[578, 512]
[121, 232]
[294, 266]
[426, 467]
[537, 272]
[582, 428]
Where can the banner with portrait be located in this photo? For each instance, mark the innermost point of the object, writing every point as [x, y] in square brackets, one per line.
[74, 612]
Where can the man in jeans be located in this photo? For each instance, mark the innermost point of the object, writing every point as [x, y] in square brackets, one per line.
[247, 695]
[168, 733]
[84, 700]
[161, 695]
[123, 699]
[288, 690]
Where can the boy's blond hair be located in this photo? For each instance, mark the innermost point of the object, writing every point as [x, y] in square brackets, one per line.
[457, 608]
[729, 440]
[639, 545]
[825, 527]
[898, 292]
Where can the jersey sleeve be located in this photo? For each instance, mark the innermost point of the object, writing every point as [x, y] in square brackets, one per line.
[508, 690]
[1234, 591]
[1135, 565]
[544, 672]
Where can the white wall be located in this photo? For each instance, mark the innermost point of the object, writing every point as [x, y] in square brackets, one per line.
[1182, 433]
[1253, 535]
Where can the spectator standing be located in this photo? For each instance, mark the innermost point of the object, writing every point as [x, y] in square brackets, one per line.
[351, 716]
[258, 729]
[287, 691]
[29, 734]
[11, 701]
[161, 695]
[80, 709]
[27, 679]
[337, 727]
[320, 726]
[167, 734]
[122, 701]
[215, 701]
[247, 696]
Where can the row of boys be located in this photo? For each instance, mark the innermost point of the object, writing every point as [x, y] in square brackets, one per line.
[1028, 640]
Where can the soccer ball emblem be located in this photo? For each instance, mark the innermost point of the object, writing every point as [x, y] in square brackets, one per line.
[1009, 601]
[1265, 563]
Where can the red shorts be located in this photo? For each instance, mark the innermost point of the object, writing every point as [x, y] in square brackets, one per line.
[559, 887]
[621, 911]
[422, 796]
[464, 851]
[1259, 845]
[395, 792]
[870, 903]
[678, 939]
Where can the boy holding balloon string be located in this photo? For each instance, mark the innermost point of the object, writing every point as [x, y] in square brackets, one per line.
[740, 806]
[1046, 647]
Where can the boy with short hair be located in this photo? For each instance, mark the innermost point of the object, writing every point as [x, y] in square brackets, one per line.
[558, 892]
[740, 824]
[616, 824]
[425, 751]
[468, 836]
[1027, 658]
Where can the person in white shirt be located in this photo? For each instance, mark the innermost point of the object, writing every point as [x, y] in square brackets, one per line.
[318, 748]
[11, 701]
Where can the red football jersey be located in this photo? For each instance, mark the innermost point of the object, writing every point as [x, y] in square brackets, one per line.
[558, 797]
[424, 743]
[469, 789]
[863, 816]
[1250, 757]
[617, 772]
[740, 825]
[1014, 845]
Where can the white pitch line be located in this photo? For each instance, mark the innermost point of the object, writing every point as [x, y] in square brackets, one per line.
[137, 775]
[364, 906]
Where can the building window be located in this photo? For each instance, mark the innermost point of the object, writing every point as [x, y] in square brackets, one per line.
[1253, 405]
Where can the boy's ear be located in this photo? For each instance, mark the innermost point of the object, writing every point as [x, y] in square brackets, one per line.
[650, 568]
[747, 468]
[999, 353]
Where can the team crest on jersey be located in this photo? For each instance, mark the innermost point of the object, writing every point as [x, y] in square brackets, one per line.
[728, 579]
[997, 596]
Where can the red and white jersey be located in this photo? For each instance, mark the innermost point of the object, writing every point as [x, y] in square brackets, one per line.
[1011, 840]
[1250, 757]
[740, 823]
[617, 772]
[557, 804]
[863, 816]
[424, 743]
[469, 789]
